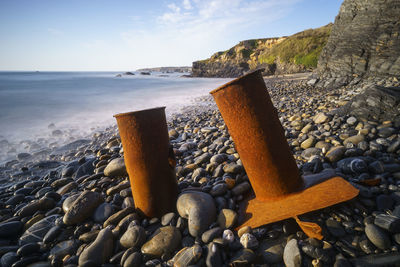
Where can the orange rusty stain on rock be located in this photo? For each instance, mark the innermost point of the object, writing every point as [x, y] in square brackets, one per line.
[148, 160]
[280, 191]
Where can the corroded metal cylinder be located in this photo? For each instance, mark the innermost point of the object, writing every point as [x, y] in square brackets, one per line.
[144, 136]
[253, 123]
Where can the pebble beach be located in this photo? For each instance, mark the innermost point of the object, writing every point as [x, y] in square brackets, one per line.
[73, 205]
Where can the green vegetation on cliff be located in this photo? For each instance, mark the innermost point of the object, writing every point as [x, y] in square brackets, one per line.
[296, 53]
[301, 48]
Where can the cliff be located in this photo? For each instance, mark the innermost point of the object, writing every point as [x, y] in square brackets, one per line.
[364, 43]
[295, 53]
[363, 53]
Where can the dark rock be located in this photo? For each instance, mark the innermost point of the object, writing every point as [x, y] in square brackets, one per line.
[8, 259]
[10, 229]
[83, 207]
[388, 222]
[214, 257]
[28, 249]
[335, 228]
[100, 251]
[133, 260]
[209, 235]
[37, 231]
[103, 212]
[272, 250]
[377, 236]
[64, 248]
[244, 256]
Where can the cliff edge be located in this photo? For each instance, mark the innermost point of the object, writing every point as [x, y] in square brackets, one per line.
[292, 54]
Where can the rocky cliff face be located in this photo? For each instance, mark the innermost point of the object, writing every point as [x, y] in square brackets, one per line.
[365, 42]
[292, 54]
[363, 53]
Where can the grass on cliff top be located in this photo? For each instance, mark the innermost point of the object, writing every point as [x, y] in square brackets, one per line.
[302, 48]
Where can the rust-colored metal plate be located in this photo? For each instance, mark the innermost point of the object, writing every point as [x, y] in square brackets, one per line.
[255, 213]
[144, 136]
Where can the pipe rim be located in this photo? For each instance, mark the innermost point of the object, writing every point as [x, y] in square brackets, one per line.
[137, 112]
[237, 80]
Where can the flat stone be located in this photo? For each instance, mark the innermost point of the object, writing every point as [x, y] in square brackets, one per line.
[335, 153]
[164, 241]
[355, 139]
[218, 158]
[309, 142]
[199, 209]
[320, 118]
[116, 168]
[100, 251]
[377, 236]
[244, 256]
[134, 236]
[291, 254]
[83, 207]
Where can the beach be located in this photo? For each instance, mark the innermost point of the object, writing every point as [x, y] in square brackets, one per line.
[84, 181]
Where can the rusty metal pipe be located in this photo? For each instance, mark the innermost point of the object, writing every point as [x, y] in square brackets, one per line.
[145, 141]
[259, 137]
[280, 191]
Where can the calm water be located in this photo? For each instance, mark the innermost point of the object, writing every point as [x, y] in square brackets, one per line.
[80, 102]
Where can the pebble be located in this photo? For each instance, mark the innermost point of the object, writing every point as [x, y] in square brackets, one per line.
[335, 153]
[214, 257]
[187, 256]
[291, 254]
[199, 209]
[134, 236]
[103, 212]
[100, 251]
[227, 218]
[388, 222]
[209, 235]
[320, 118]
[335, 228]
[377, 236]
[116, 168]
[10, 229]
[272, 250]
[63, 249]
[83, 207]
[133, 260]
[37, 231]
[249, 241]
[164, 241]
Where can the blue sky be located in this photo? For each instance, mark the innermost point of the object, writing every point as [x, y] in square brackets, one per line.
[126, 35]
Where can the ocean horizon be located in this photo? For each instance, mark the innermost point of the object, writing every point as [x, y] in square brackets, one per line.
[62, 106]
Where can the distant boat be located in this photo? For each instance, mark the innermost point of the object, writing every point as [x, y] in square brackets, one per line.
[145, 73]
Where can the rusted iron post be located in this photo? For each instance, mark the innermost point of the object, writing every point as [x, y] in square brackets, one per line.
[145, 141]
[280, 191]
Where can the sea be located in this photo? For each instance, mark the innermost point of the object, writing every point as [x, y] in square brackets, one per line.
[59, 107]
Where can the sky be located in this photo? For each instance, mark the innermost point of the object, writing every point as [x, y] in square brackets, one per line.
[122, 35]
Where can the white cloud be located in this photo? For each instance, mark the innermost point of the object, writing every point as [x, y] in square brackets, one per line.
[193, 30]
[186, 4]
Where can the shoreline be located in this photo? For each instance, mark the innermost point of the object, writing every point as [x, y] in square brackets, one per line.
[356, 231]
